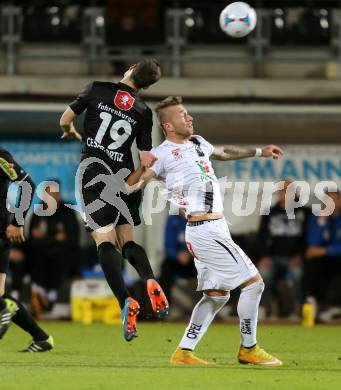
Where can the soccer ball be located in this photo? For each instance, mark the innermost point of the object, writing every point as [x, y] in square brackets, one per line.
[238, 19]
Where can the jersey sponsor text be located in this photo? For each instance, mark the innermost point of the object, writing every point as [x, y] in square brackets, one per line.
[104, 107]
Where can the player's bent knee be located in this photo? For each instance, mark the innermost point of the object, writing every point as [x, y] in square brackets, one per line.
[125, 234]
[216, 293]
[255, 288]
[128, 247]
[261, 285]
[217, 301]
[100, 238]
[102, 241]
[105, 246]
[254, 279]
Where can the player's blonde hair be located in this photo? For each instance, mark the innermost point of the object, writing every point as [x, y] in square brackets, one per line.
[160, 108]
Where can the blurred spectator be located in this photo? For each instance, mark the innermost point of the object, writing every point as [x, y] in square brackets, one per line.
[54, 250]
[145, 12]
[323, 255]
[281, 262]
[133, 23]
[178, 262]
[46, 21]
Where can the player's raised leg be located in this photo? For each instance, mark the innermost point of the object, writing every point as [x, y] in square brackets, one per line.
[110, 261]
[249, 351]
[137, 257]
[203, 314]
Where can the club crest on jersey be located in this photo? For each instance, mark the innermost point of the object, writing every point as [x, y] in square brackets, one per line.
[177, 153]
[123, 100]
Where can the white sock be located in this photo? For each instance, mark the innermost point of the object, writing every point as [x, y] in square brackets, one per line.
[248, 312]
[202, 316]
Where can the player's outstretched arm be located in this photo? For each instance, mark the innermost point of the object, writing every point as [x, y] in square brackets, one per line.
[139, 178]
[68, 128]
[230, 152]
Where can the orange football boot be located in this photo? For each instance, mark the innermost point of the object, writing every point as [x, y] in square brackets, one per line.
[158, 298]
[128, 315]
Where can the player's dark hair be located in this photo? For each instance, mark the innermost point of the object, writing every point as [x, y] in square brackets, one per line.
[168, 102]
[146, 73]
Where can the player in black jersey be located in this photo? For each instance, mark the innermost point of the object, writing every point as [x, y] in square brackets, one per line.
[115, 116]
[12, 230]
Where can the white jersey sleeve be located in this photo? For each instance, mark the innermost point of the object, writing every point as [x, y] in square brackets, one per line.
[158, 166]
[205, 145]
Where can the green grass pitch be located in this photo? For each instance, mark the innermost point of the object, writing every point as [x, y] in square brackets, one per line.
[97, 357]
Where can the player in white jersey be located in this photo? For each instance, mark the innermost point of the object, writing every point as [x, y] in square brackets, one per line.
[183, 163]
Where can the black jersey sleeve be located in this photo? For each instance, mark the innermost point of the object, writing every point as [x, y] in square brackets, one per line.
[13, 171]
[80, 104]
[9, 167]
[144, 137]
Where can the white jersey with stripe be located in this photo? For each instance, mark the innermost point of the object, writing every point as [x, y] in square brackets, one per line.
[188, 175]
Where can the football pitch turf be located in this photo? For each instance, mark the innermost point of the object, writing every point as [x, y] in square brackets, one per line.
[97, 357]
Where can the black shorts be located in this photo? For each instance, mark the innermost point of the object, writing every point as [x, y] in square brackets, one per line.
[4, 248]
[113, 213]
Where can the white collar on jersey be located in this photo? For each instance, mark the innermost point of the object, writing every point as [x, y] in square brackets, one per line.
[187, 144]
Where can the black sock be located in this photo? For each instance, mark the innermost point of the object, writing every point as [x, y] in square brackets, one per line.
[110, 260]
[137, 257]
[25, 321]
[250, 347]
[2, 303]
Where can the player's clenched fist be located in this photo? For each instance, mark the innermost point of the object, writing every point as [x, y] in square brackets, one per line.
[147, 159]
[272, 151]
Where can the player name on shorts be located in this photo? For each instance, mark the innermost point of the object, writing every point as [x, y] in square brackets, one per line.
[115, 156]
[119, 113]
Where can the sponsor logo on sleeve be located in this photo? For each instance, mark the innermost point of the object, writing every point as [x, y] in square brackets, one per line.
[204, 167]
[8, 169]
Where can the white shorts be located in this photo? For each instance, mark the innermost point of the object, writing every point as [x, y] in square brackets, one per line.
[221, 264]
